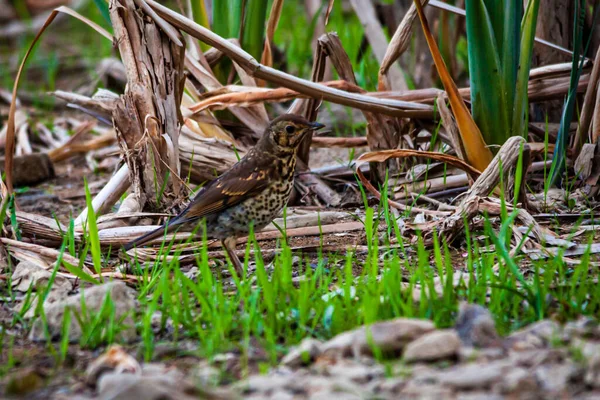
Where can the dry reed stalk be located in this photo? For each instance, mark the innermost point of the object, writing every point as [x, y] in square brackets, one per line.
[384, 155]
[450, 126]
[267, 54]
[346, 142]
[503, 164]
[587, 109]
[254, 117]
[540, 89]
[382, 130]
[109, 195]
[312, 89]
[147, 117]
[397, 46]
[403, 188]
[365, 11]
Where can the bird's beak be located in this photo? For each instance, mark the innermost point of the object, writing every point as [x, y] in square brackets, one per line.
[316, 126]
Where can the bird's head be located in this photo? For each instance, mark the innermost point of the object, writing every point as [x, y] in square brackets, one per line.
[287, 131]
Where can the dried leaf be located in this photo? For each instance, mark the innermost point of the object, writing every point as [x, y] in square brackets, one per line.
[384, 155]
[397, 46]
[476, 150]
[274, 15]
[328, 12]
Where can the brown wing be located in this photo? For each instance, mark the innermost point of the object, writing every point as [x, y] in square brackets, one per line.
[247, 178]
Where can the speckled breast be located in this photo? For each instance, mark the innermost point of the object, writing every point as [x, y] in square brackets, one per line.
[260, 209]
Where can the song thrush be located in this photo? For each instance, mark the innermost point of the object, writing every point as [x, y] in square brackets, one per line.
[253, 191]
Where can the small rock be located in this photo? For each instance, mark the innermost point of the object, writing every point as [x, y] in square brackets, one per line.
[23, 382]
[432, 346]
[588, 348]
[31, 169]
[333, 394]
[535, 336]
[592, 373]
[518, 381]
[319, 386]
[27, 273]
[533, 358]
[156, 382]
[126, 386]
[356, 372]
[114, 360]
[476, 327]
[469, 354]
[390, 386]
[122, 297]
[307, 351]
[262, 384]
[414, 390]
[584, 327]
[554, 378]
[479, 396]
[282, 395]
[595, 395]
[205, 374]
[389, 336]
[475, 376]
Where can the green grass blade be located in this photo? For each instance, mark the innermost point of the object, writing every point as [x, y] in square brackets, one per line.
[488, 98]
[254, 27]
[562, 140]
[92, 229]
[103, 7]
[220, 24]
[522, 80]
[510, 46]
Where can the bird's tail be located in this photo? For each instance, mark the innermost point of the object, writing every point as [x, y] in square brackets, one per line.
[164, 229]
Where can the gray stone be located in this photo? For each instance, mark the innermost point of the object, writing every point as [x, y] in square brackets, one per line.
[113, 386]
[388, 336]
[262, 384]
[478, 396]
[432, 346]
[554, 378]
[535, 336]
[474, 376]
[486, 354]
[306, 352]
[592, 373]
[389, 386]
[123, 299]
[584, 327]
[27, 273]
[156, 382]
[535, 357]
[518, 381]
[414, 390]
[476, 327]
[356, 372]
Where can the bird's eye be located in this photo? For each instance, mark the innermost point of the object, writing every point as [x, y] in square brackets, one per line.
[290, 129]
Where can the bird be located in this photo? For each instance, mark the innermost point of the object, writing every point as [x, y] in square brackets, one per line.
[252, 192]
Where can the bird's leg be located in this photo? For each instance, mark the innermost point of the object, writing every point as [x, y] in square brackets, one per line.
[229, 246]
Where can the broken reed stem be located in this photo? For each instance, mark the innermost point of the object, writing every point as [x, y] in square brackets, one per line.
[109, 195]
[503, 164]
[147, 117]
[311, 89]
